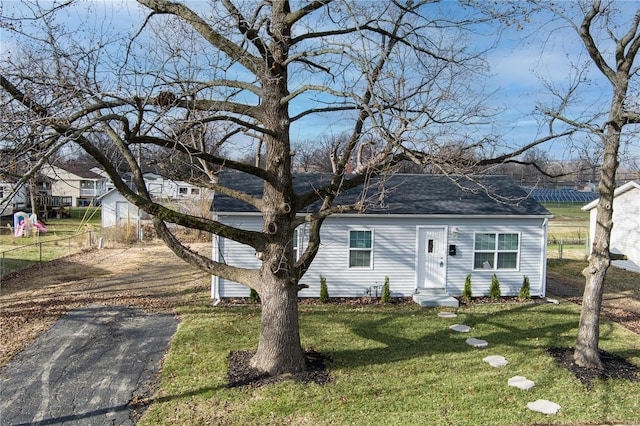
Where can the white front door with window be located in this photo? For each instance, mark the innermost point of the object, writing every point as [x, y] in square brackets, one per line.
[431, 258]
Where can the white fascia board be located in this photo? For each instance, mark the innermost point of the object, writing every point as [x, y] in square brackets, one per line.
[407, 216]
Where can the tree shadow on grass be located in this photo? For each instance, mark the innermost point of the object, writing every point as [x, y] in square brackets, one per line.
[498, 328]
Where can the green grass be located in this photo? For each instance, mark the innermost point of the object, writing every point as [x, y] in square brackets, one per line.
[57, 242]
[567, 211]
[393, 365]
[570, 272]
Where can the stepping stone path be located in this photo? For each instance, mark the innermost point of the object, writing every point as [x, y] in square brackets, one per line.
[544, 406]
[477, 343]
[521, 382]
[496, 361]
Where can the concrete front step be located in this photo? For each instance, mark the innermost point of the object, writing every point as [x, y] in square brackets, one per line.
[429, 298]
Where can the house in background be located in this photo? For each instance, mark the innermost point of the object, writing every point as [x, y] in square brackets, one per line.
[161, 188]
[76, 181]
[424, 232]
[48, 205]
[625, 234]
[15, 204]
[177, 195]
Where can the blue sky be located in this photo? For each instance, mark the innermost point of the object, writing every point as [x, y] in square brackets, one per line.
[541, 50]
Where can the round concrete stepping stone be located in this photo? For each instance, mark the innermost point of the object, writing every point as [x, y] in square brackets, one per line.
[461, 328]
[496, 361]
[544, 406]
[447, 315]
[521, 382]
[477, 343]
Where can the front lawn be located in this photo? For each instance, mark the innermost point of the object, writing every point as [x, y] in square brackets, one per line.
[394, 364]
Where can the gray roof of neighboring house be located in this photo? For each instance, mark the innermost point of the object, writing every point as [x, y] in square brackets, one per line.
[80, 169]
[404, 194]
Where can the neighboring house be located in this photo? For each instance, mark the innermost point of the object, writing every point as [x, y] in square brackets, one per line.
[15, 204]
[425, 233]
[161, 188]
[625, 234]
[177, 195]
[48, 205]
[75, 181]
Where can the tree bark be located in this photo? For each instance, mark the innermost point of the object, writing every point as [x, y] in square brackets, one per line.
[279, 349]
[587, 353]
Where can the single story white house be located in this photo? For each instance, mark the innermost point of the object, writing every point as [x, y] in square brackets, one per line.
[424, 232]
[625, 234]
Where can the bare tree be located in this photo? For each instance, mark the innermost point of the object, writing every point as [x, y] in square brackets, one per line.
[613, 50]
[398, 72]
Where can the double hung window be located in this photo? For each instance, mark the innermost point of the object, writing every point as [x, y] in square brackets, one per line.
[360, 249]
[496, 251]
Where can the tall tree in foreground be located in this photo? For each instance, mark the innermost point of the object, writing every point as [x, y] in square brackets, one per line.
[613, 50]
[394, 72]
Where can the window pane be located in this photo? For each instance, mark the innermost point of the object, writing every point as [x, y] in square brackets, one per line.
[507, 260]
[359, 258]
[485, 242]
[483, 261]
[360, 239]
[508, 242]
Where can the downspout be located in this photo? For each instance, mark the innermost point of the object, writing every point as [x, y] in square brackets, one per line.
[215, 280]
[543, 256]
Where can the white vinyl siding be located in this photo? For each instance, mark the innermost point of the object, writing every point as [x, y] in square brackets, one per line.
[496, 251]
[360, 249]
[393, 252]
[625, 233]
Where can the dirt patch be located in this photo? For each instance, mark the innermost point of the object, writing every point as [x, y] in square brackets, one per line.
[622, 307]
[613, 367]
[241, 374]
[148, 276]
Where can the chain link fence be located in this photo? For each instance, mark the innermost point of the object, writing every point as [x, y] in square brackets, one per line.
[14, 259]
[568, 248]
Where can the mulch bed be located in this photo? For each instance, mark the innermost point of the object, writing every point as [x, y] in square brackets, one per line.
[504, 300]
[614, 367]
[241, 374]
[306, 301]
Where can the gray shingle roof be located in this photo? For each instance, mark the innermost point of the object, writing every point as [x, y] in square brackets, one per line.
[404, 194]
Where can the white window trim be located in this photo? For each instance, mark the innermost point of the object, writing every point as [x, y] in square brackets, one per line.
[296, 245]
[349, 249]
[495, 251]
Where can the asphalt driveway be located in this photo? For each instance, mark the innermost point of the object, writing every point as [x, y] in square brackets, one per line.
[88, 369]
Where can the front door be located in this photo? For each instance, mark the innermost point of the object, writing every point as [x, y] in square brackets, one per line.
[431, 258]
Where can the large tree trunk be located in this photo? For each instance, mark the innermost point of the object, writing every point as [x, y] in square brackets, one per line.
[587, 353]
[279, 349]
